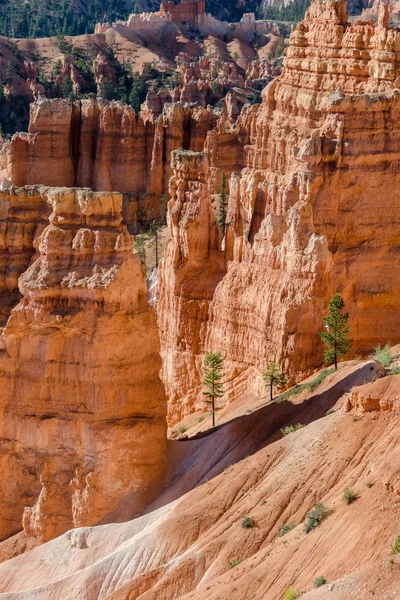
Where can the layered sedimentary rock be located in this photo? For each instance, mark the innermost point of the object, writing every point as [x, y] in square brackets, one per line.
[82, 408]
[105, 146]
[314, 210]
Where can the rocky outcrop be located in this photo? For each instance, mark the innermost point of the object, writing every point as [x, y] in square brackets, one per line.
[105, 146]
[313, 209]
[382, 395]
[82, 408]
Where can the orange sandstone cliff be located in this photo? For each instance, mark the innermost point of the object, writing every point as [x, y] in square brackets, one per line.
[313, 210]
[82, 408]
[105, 146]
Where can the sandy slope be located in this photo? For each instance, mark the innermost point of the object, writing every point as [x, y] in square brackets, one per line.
[183, 546]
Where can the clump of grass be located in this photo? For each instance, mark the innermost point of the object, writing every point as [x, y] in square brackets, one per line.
[235, 563]
[182, 429]
[318, 581]
[248, 522]
[395, 371]
[310, 386]
[316, 516]
[330, 411]
[396, 547]
[285, 529]
[369, 484]
[201, 419]
[349, 496]
[383, 355]
[290, 594]
[291, 429]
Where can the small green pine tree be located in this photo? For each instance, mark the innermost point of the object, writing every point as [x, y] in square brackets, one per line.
[222, 204]
[213, 374]
[336, 334]
[274, 378]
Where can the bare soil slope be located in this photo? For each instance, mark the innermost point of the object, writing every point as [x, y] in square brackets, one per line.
[191, 542]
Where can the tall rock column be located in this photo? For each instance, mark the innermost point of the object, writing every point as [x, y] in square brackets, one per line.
[82, 408]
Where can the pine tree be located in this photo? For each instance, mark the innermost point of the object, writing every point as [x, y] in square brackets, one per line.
[213, 374]
[336, 334]
[67, 87]
[274, 378]
[164, 208]
[154, 229]
[222, 204]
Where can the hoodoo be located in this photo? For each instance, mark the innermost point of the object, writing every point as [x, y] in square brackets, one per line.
[199, 302]
[307, 215]
[82, 421]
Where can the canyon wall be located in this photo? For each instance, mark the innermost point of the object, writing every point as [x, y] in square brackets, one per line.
[82, 408]
[314, 210]
[105, 146]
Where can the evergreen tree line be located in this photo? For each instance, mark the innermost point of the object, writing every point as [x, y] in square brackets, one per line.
[294, 11]
[46, 18]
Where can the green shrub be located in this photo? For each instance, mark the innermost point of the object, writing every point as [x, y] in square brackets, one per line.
[383, 355]
[235, 563]
[248, 522]
[310, 386]
[330, 411]
[369, 484]
[316, 516]
[201, 419]
[395, 371]
[319, 581]
[291, 429]
[285, 529]
[349, 496]
[396, 546]
[182, 429]
[290, 594]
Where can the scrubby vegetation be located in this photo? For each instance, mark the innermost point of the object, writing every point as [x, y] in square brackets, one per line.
[290, 594]
[396, 546]
[310, 386]
[248, 522]
[349, 496]
[235, 563]
[316, 516]
[291, 429]
[321, 580]
[285, 529]
[383, 355]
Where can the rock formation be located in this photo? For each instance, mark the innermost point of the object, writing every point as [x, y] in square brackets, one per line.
[313, 209]
[105, 146]
[82, 408]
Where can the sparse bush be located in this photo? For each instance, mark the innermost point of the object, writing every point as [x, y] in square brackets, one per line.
[395, 371]
[316, 516]
[383, 355]
[291, 429]
[396, 546]
[369, 484]
[310, 386]
[349, 496]
[235, 563]
[290, 594]
[285, 529]
[319, 581]
[248, 522]
[330, 411]
[182, 429]
[201, 419]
